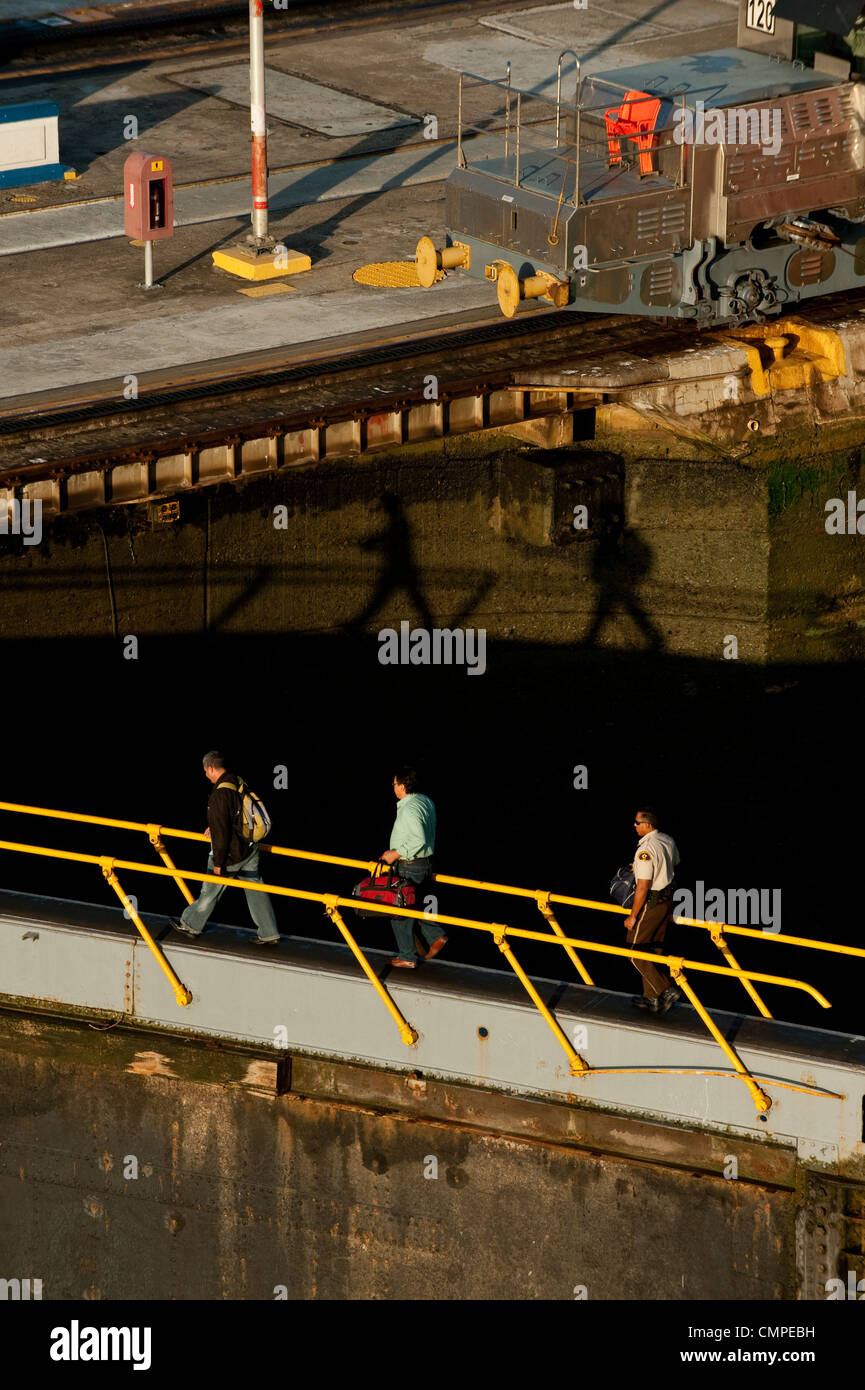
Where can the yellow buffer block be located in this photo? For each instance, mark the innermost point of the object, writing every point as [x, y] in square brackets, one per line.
[431, 262]
[510, 289]
[788, 354]
[242, 260]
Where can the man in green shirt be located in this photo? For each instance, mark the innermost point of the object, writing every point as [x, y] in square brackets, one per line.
[412, 842]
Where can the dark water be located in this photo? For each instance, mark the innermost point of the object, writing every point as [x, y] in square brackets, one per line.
[758, 786]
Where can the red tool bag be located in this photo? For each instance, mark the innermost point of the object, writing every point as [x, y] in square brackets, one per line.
[384, 886]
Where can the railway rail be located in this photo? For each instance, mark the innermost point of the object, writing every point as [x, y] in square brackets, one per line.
[218, 380]
[130, 36]
[229, 422]
[540, 376]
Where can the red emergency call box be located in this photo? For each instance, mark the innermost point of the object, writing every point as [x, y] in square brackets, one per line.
[149, 197]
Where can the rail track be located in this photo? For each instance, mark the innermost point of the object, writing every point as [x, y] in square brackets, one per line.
[230, 379]
[193, 27]
[367, 395]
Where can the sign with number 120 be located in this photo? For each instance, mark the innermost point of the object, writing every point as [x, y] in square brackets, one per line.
[761, 15]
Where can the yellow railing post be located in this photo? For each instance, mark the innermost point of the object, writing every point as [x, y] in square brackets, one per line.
[760, 1099]
[154, 835]
[578, 1066]
[543, 901]
[181, 993]
[721, 943]
[407, 1033]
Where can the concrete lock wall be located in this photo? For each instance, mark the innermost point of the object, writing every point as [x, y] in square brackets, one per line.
[166, 1170]
[816, 588]
[674, 554]
[671, 553]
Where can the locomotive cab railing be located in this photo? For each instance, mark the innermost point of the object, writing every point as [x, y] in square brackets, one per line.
[548, 145]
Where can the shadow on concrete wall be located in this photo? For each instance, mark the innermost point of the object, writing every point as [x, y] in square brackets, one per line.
[622, 560]
[400, 573]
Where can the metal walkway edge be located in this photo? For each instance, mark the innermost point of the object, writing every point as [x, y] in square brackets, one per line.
[503, 936]
[474, 1025]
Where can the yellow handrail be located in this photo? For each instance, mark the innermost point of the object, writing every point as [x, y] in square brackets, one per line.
[542, 899]
[332, 902]
[540, 896]
[484, 885]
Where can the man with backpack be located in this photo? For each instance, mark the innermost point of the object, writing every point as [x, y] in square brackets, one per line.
[236, 821]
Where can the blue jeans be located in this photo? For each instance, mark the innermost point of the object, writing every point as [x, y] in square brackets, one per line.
[261, 909]
[403, 927]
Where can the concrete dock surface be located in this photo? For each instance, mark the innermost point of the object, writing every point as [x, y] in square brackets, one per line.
[353, 180]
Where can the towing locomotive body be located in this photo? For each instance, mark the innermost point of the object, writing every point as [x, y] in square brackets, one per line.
[720, 187]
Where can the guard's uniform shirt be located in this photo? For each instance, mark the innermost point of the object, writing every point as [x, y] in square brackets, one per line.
[656, 859]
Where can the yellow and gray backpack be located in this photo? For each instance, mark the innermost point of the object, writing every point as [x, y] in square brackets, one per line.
[253, 822]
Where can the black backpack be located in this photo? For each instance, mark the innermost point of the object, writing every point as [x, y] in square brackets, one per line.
[623, 886]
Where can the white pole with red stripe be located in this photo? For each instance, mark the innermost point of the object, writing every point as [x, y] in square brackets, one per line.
[258, 119]
[258, 257]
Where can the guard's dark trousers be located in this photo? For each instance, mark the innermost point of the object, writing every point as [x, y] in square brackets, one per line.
[648, 933]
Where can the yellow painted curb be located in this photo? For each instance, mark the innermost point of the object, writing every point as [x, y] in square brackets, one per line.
[262, 291]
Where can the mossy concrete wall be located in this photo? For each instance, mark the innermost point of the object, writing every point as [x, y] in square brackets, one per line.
[675, 554]
[159, 1170]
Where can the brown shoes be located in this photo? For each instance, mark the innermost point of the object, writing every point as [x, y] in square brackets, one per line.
[432, 950]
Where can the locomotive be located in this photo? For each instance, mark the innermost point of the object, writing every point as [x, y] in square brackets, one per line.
[720, 187]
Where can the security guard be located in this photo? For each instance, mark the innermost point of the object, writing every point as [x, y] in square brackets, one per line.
[654, 870]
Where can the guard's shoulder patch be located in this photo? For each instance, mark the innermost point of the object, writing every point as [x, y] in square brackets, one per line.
[644, 854]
